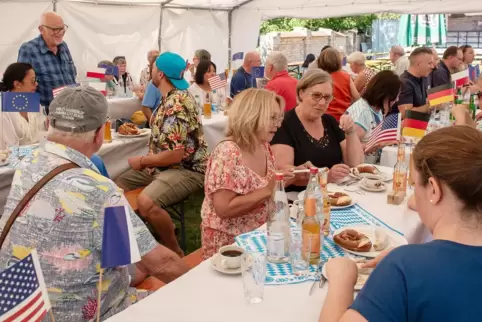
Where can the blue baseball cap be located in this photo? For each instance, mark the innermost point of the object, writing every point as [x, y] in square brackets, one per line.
[173, 66]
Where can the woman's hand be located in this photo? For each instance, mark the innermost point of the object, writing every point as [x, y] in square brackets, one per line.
[347, 124]
[338, 172]
[342, 270]
[374, 262]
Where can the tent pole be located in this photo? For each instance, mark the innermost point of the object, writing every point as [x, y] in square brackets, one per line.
[54, 5]
[160, 29]
[230, 22]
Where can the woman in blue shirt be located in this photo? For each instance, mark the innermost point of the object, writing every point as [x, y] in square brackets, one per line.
[437, 281]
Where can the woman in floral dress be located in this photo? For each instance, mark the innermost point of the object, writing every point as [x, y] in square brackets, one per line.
[240, 171]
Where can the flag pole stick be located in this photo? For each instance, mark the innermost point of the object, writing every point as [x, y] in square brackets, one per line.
[99, 292]
[52, 315]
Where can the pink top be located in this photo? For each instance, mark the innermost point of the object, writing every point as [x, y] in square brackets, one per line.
[226, 171]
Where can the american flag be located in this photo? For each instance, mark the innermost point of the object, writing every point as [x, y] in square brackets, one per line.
[56, 91]
[388, 130]
[217, 82]
[23, 294]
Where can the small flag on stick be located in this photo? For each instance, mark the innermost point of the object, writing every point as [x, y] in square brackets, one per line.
[415, 124]
[97, 73]
[386, 131]
[111, 70]
[441, 94]
[257, 72]
[460, 78]
[58, 90]
[217, 82]
[20, 102]
[238, 56]
[24, 294]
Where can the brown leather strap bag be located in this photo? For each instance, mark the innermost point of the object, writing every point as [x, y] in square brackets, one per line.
[30, 194]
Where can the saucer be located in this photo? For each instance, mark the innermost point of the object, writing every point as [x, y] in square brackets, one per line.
[382, 188]
[215, 263]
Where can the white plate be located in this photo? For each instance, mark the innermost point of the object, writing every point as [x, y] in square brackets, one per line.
[144, 132]
[383, 188]
[301, 196]
[362, 278]
[385, 176]
[215, 263]
[394, 239]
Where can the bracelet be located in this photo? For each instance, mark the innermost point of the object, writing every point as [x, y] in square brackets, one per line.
[140, 162]
[350, 133]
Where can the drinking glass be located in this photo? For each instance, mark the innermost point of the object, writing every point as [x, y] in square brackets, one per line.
[107, 132]
[207, 110]
[300, 251]
[253, 269]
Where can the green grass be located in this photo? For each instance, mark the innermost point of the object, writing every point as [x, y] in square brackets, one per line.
[192, 214]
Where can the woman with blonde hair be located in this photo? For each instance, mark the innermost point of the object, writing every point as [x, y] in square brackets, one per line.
[240, 171]
[418, 282]
[357, 60]
[309, 136]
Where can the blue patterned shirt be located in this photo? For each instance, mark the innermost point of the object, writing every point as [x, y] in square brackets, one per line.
[52, 70]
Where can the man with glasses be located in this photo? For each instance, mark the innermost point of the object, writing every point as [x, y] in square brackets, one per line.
[451, 61]
[50, 57]
[242, 79]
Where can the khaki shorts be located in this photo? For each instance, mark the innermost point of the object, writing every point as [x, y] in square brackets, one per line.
[165, 188]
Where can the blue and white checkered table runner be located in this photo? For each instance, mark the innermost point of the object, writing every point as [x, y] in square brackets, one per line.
[278, 274]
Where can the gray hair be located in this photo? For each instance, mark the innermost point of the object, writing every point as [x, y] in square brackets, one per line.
[278, 60]
[356, 57]
[398, 50]
[80, 137]
[202, 54]
[311, 78]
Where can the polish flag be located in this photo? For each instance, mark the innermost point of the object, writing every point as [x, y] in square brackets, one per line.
[96, 73]
[100, 87]
[461, 78]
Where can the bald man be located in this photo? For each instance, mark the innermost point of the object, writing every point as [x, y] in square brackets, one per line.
[146, 74]
[242, 79]
[399, 60]
[50, 57]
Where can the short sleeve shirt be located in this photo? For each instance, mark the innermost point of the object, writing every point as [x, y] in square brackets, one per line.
[440, 75]
[414, 90]
[177, 126]
[325, 152]
[52, 70]
[364, 116]
[152, 96]
[64, 222]
[436, 281]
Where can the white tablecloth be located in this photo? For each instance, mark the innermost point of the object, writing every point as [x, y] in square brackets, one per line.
[389, 156]
[215, 129]
[114, 155]
[206, 295]
[123, 107]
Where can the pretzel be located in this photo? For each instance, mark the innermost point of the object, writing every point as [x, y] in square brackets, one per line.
[339, 199]
[129, 129]
[353, 240]
[367, 169]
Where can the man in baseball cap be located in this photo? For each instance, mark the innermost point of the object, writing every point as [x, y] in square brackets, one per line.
[175, 165]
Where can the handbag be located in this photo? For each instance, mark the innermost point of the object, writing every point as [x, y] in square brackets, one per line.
[30, 194]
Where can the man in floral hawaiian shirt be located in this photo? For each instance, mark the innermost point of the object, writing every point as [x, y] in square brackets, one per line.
[64, 220]
[175, 165]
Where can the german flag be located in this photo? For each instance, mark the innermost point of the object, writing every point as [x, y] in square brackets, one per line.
[441, 94]
[415, 124]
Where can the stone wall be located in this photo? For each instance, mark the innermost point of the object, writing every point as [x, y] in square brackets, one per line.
[301, 42]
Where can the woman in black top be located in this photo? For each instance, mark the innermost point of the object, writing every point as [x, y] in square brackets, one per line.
[309, 137]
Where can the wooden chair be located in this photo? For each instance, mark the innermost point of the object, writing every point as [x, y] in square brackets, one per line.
[177, 214]
[153, 284]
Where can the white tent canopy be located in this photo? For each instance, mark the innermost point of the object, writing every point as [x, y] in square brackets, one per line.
[104, 29]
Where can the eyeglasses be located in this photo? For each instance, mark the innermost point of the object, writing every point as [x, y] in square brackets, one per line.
[317, 97]
[277, 119]
[57, 30]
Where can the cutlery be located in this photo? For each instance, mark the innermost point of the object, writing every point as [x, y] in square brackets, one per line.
[318, 275]
[322, 281]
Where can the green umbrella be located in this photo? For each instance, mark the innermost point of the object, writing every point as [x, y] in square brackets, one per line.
[422, 30]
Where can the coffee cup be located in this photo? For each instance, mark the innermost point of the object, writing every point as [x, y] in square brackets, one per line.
[373, 181]
[230, 256]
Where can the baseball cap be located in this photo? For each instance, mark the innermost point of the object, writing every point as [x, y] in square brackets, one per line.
[173, 66]
[80, 110]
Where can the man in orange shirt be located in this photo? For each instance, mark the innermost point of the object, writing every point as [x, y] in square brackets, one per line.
[280, 82]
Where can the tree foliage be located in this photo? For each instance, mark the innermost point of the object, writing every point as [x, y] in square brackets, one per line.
[361, 23]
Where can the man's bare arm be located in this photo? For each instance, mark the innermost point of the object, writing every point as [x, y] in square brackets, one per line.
[163, 264]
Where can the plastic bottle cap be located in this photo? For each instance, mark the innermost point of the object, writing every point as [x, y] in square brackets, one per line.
[313, 170]
[279, 176]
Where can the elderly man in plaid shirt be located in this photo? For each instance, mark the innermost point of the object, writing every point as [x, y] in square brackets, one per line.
[50, 57]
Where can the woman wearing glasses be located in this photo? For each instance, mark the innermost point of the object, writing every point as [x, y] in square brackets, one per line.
[21, 128]
[308, 136]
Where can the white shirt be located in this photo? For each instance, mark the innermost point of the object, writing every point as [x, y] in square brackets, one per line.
[401, 65]
[17, 131]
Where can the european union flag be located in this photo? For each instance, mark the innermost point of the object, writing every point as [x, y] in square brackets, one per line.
[20, 102]
[238, 56]
[257, 72]
[111, 70]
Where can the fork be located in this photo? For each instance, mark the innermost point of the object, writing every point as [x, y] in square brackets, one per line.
[318, 275]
